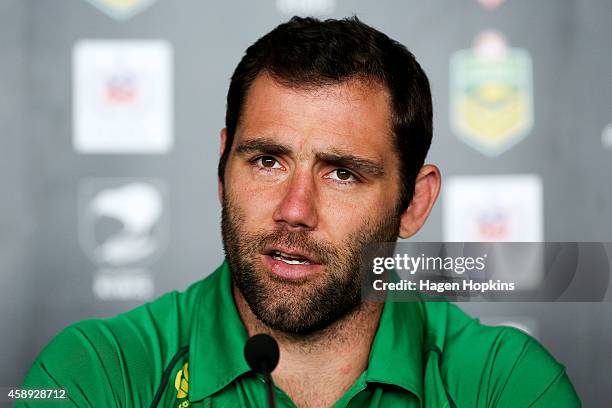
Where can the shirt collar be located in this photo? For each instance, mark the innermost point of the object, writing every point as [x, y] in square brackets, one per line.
[396, 356]
[218, 337]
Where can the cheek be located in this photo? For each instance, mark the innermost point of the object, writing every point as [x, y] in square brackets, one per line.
[349, 211]
[256, 202]
[341, 215]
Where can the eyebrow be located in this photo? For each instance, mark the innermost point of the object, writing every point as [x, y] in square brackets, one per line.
[334, 157]
[350, 161]
[262, 145]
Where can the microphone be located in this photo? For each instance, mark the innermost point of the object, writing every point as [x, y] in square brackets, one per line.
[261, 353]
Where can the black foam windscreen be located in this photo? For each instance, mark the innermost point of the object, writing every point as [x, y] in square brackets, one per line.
[261, 353]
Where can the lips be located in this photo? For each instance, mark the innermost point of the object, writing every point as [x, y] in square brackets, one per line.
[290, 254]
[290, 259]
[290, 264]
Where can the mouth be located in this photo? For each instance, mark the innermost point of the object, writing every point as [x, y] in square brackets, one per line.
[289, 264]
[290, 259]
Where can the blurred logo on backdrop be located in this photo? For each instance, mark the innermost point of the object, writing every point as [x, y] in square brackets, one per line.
[606, 137]
[122, 97]
[490, 4]
[121, 9]
[504, 208]
[491, 94]
[123, 230]
[305, 7]
[493, 209]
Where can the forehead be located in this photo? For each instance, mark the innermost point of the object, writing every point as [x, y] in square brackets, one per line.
[353, 115]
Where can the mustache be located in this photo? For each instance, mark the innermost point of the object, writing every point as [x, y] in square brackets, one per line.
[296, 240]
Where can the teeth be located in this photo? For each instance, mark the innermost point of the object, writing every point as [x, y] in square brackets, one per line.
[289, 259]
[294, 262]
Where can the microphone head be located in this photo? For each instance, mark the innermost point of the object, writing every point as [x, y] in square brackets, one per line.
[261, 353]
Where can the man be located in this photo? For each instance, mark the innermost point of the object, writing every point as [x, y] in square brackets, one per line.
[327, 128]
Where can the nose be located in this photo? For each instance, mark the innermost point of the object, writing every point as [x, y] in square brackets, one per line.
[297, 209]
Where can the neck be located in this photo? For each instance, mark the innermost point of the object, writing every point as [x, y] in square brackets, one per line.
[317, 369]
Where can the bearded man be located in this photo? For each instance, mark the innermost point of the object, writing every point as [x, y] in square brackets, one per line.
[327, 128]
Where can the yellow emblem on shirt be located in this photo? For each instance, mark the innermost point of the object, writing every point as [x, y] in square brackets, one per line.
[181, 382]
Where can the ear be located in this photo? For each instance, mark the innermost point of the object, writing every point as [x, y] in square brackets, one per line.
[426, 190]
[223, 135]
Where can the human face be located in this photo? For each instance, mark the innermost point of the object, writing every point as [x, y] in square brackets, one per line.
[311, 179]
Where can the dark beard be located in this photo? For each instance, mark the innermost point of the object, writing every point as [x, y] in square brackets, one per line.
[300, 308]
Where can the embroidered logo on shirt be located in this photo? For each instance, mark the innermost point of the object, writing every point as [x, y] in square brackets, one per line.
[181, 382]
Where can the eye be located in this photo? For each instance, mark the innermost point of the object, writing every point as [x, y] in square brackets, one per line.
[342, 175]
[267, 162]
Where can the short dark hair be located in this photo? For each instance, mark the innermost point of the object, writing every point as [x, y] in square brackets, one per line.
[312, 53]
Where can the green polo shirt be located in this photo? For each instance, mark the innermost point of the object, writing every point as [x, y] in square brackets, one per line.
[187, 348]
